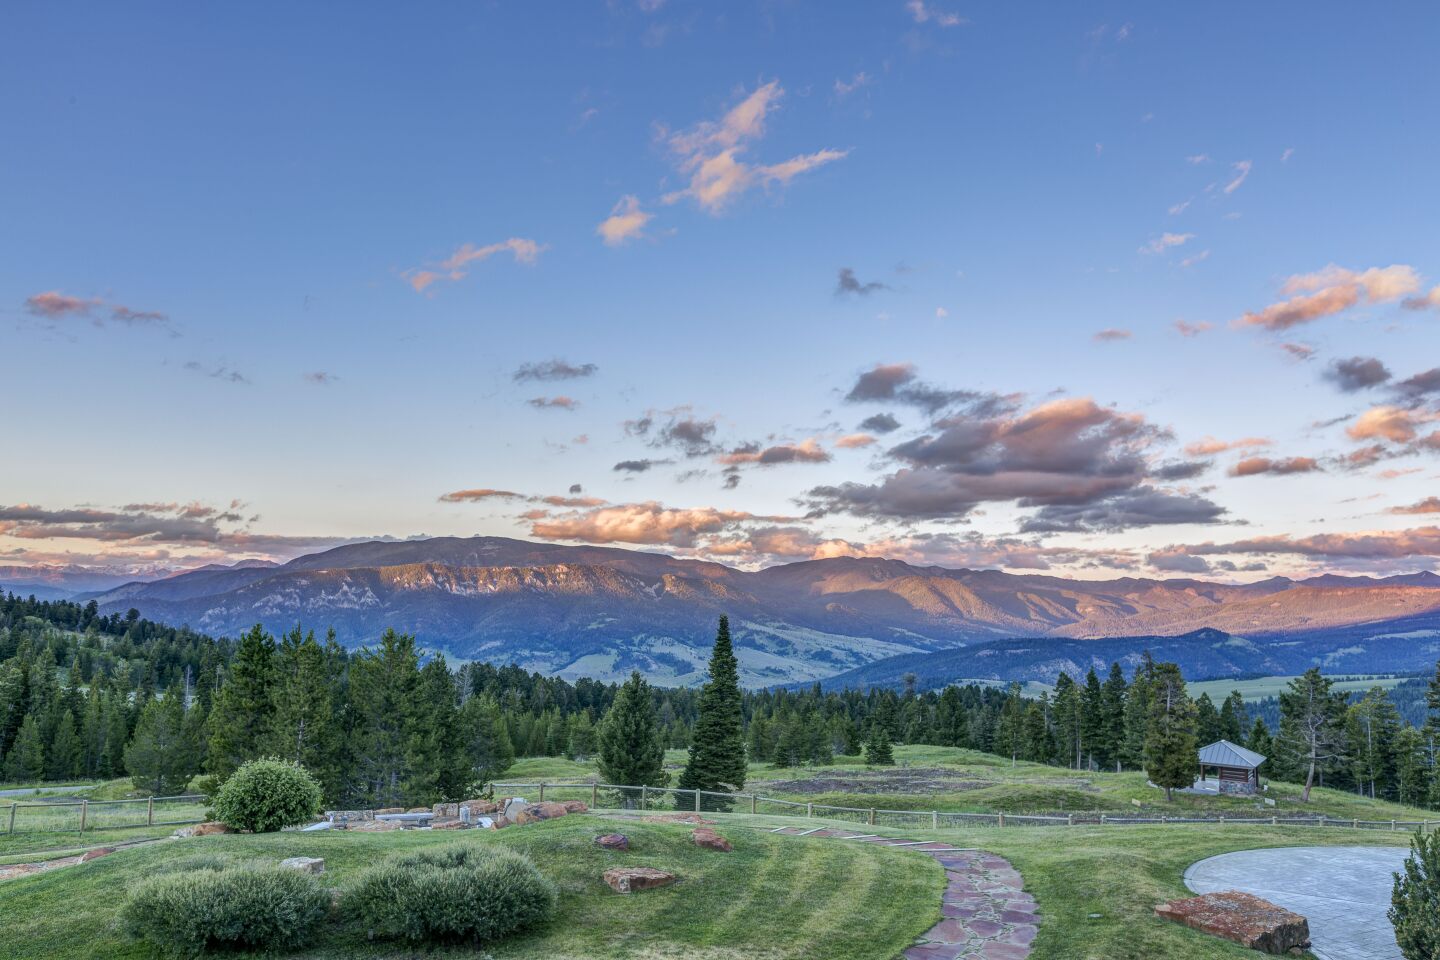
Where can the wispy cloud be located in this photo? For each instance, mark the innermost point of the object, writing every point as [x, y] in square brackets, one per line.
[458, 265]
[1187, 329]
[1242, 171]
[554, 403]
[54, 305]
[1111, 335]
[220, 372]
[625, 223]
[556, 369]
[843, 88]
[1166, 241]
[319, 378]
[921, 12]
[849, 283]
[710, 154]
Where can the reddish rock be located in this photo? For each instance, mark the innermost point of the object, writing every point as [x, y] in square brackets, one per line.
[205, 829]
[478, 807]
[635, 879]
[710, 840]
[534, 812]
[89, 855]
[1242, 918]
[575, 806]
[449, 825]
[613, 841]
[446, 810]
[500, 822]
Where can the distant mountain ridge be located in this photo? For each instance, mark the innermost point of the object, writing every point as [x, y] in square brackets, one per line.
[602, 611]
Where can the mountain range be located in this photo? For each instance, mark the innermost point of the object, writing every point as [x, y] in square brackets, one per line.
[601, 612]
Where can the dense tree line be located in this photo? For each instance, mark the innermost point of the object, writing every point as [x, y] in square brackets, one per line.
[88, 696]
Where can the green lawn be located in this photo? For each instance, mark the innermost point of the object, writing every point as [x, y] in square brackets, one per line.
[967, 781]
[770, 898]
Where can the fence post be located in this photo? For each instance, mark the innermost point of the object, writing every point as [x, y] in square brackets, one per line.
[1392, 826]
[809, 809]
[697, 799]
[594, 795]
[752, 804]
[84, 811]
[1002, 820]
[13, 805]
[150, 812]
[872, 816]
[1102, 819]
[542, 793]
[1355, 824]
[644, 794]
[1070, 820]
[935, 820]
[1274, 821]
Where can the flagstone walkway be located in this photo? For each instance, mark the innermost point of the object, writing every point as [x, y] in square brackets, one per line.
[985, 913]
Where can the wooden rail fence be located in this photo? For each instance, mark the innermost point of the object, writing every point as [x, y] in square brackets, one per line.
[708, 801]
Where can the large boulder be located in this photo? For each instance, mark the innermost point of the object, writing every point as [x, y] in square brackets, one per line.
[575, 806]
[449, 811]
[710, 840]
[477, 807]
[635, 879]
[376, 826]
[1243, 918]
[535, 812]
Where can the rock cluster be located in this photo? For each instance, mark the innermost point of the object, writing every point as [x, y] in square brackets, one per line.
[1243, 918]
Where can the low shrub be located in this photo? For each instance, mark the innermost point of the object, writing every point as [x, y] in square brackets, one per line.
[266, 795]
[459, 893]
[249, 907]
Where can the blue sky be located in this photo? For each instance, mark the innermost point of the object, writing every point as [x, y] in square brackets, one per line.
[271, 277]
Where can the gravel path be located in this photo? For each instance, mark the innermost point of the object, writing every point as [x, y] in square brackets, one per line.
[985, 912]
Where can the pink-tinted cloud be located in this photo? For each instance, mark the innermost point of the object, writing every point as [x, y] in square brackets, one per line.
[710, 154]
[1166, 241]
[1242, 171]
[457, 266]
[853, 441]
[807, 451]
[53, 305]
[1396, 424]
[647, 523]
[1366, 545]
[1112, 335]
[1428, 505]
[1426, 301]
[1330, 291]
[1186, 329]
[554, 403]
[626, 222]
[1259, 466]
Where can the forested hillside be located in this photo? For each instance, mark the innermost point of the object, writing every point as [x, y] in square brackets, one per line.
[88, 696]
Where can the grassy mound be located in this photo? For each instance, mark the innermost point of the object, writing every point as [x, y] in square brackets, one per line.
[773, 897]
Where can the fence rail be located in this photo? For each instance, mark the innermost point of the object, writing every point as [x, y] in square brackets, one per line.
[78, 816]
[709, 801]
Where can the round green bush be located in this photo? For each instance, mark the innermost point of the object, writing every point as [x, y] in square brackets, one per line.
[266, 795]
[251, 907]
[455, 894]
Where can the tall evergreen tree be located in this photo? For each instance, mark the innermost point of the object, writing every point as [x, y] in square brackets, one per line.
[303, 728]
[1137, 713]
[632, 753]
[25, 761]
[1234, 718]
[1371, 729]
[1112, 727]
[1092, 722]
[1171, 753]
[240, 724]
[717, 747]
[1010, 727]
[62, 761]
[487, 747]
[162, 757]
[383, 698]
[1310, 724]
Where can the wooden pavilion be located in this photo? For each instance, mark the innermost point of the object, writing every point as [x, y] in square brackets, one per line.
[1237, 770]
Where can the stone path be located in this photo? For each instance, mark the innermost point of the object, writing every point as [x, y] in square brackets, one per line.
[985, 913]
[1343, 891]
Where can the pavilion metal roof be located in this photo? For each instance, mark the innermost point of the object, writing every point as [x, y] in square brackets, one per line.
[1223, 753]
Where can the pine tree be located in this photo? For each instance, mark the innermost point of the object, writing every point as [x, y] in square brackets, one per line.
[717, 747]
[1371, 728]
[878, 749]
[62, 761]
[1092, 722]
[1310, 724]
[1233, 717]
[1112, 727]
[952, 722]
[1259, 739]
[1038, 744]
[438, 769]
[240, 724]
[1207, 720]
[1137, 713]
[161, 758]
[303, 728]
[1412, 785]
[1010, 728]
[1069, 714]
[1171, 752]
[25, 761]
[487, 748]
[383, 699]
[631, 751]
